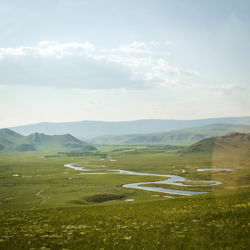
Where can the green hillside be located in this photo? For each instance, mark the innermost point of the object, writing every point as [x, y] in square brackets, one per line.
[183, 136]
[230, 142]
[12, 141]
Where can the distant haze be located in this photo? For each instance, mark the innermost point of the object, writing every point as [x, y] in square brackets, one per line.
[91, 129]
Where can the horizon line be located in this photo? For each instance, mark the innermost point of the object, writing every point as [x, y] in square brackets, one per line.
[112, 121]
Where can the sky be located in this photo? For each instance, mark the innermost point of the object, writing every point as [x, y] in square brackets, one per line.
[115, 60]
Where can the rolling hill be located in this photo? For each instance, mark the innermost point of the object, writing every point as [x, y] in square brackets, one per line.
[12, 141]
[182, 137]
[229, 142]
[91, 129]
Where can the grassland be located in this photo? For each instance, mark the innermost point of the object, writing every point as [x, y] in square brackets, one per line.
[45, 205]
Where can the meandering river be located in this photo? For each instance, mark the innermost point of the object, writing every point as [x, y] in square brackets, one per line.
[171, 180]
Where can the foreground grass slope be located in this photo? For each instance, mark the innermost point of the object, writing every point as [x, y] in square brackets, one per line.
[205, 222]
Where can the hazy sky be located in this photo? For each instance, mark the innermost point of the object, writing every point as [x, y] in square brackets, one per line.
[71, 60]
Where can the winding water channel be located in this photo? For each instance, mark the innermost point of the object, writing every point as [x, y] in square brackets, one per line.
[171, 180]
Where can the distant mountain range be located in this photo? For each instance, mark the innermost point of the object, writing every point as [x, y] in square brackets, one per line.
[91, 129]
[181, 137]
[231, 142]
[12, 141]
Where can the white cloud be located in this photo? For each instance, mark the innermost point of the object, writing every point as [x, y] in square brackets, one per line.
[134, 47]
[224, 87]
[81, 65]
[155, 44]
[49, 48]
[168, 42]
[150, 70]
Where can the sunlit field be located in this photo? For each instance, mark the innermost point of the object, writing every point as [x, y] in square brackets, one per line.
[44, 204]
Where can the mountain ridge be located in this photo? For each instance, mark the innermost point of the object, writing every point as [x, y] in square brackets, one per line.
[91, 129]
[12, 141]
[183, 136]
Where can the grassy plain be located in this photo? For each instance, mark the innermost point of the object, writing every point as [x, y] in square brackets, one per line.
[50, 206]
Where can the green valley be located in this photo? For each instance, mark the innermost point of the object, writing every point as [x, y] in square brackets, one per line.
[46, 205]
